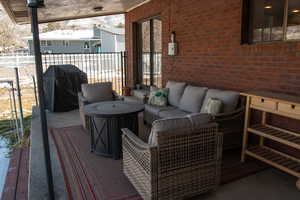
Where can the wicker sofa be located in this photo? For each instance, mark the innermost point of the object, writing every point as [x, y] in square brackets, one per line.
[181, 159]
[185, 99]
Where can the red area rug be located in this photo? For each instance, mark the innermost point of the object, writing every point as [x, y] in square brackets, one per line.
[90, 177]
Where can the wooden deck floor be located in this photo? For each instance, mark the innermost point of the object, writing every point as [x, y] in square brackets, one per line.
[16, 183]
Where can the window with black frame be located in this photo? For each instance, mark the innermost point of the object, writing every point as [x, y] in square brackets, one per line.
[150, 52]
[271, 20]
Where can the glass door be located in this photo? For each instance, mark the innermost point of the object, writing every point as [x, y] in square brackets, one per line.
[150, 52]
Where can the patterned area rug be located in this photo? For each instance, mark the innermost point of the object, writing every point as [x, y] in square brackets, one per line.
[90, 177]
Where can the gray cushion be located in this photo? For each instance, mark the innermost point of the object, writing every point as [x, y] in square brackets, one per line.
[172, 113]
[140, 93]
[133, 99]
[192, 98]
[97, 92]
[213, 106]
[229, 99]
[156, 109]
[168, 124]
[189, 122]
[175, 92]
[198, 119]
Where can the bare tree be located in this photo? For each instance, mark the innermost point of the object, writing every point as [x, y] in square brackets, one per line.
[52, 27]
[7, 35]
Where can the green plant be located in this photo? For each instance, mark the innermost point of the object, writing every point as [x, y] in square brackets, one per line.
[12, 140]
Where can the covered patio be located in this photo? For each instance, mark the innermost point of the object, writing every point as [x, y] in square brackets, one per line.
[246, 49]
[255, 179]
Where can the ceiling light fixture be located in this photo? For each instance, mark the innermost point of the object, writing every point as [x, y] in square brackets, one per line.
[98, 8]
[296, 11]
[268, 7]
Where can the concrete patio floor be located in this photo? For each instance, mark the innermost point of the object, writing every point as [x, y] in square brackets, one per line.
[267, 185]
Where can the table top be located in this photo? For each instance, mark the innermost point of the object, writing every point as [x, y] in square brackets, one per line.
[112, 108]
[273, 95]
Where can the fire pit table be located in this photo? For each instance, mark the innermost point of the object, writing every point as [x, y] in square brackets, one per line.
[105, 121]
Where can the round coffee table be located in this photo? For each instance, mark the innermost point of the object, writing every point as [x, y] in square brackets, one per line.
[105, 121]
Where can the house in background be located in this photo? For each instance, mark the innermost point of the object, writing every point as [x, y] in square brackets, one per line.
[98, 39]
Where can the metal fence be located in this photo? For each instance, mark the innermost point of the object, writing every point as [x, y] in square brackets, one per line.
[99, 67]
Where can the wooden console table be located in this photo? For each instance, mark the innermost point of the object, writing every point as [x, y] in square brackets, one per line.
[279, 104]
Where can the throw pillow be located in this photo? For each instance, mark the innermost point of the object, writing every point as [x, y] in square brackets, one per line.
[213, 106]
[158, 97]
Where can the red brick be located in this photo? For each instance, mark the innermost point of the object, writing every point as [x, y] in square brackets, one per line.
[210, 54]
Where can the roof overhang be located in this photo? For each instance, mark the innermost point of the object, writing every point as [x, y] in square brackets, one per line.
[68, 9]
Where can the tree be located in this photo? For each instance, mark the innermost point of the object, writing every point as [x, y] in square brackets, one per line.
[52, 27]
[120, 25]
[7, 35]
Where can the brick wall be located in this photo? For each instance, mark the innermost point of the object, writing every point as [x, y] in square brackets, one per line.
[208, 34]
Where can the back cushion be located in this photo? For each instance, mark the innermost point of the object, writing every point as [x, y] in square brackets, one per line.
[97, 92]
[140, 93]
[175, 92]
[188, 122]
[192, 99]
[168, 124]
[229, 99]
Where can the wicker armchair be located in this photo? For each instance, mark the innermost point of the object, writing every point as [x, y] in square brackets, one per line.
[92, 93]
[184, 163]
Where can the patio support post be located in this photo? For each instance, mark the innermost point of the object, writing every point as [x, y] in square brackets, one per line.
[39, 76]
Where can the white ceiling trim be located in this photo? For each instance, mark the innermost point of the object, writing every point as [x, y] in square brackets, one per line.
[138, 5]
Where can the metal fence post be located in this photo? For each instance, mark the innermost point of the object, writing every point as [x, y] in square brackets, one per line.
[34, 88]
[15, 110]
[20, 102]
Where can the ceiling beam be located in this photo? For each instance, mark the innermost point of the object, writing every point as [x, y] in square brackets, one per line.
[8, 10]
[20, 14]
[138, 5]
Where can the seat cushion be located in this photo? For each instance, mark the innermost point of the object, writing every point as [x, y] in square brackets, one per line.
[97, 92]
[175, 92]
[168, 124]
[155, 110]
[192, 98]
[229, 99]
[172, 113]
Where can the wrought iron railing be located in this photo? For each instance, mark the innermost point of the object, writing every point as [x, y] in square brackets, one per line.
[99, 67]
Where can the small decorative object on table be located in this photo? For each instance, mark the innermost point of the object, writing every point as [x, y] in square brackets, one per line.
[127, 91]
[138, 86]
